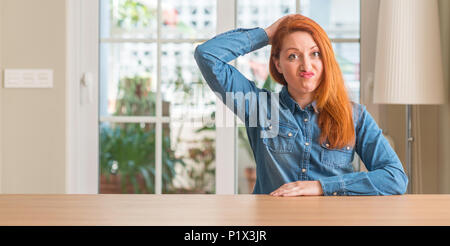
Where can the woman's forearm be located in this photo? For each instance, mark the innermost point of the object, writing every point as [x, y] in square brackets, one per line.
[386, 181]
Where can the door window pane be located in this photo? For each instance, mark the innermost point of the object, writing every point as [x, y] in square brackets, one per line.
[189, 157]
[188, 19]
[192, 131]
[128, 79]
[127, 158]
[339, 18]
[182, 83]
[347, 55]
[128, 18]
[262, 13]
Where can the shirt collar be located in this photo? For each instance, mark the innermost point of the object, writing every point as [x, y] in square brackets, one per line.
[291, 103]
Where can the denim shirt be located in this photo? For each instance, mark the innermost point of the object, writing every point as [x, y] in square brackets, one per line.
[294, 153]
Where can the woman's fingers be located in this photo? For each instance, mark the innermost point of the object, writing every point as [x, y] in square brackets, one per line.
[293, 192]
[286, 189]
[299, 188]
[281, 190]
[270, 30]
[277, 192]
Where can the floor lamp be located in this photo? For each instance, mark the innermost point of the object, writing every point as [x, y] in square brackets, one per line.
[408, 64]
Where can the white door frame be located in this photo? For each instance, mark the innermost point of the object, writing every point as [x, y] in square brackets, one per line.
[82, 100]
[226, 141]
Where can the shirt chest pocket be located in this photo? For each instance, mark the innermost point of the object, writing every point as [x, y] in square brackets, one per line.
[284, 141]
[336, 157]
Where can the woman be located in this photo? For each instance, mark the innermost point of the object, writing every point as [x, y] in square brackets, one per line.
[318, 128]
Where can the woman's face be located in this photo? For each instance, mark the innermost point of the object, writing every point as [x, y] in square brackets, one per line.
[300, 62]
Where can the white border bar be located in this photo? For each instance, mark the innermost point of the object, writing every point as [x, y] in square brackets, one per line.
[135, 119]
[158, 149]
[226, 136]
[179, 41]
[150, 40]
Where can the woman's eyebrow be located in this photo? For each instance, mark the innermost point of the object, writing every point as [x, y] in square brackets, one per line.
[293, 48]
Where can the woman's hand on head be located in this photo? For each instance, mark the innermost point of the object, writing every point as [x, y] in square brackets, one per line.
[270, 30]
[299, 188]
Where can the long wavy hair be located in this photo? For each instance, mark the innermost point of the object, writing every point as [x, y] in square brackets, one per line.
[334, 106]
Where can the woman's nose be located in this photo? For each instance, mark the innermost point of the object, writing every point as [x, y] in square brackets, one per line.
[306, 65]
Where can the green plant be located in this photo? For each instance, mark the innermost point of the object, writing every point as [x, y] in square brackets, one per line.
[134, 13]
[129, 149]
[125, 152]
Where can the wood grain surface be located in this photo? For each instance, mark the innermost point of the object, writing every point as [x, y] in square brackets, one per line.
[223, 210]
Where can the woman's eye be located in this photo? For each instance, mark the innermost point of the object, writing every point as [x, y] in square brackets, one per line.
[292, 56]
[316, 54]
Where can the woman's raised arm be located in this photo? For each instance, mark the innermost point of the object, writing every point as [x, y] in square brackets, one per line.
[226, 81]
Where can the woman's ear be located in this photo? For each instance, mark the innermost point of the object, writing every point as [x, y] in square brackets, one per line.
[276, 61]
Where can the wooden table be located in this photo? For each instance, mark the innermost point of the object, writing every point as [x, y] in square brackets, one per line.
[223, 210]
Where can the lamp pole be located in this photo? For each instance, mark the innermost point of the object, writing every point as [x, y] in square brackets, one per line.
[409, 142]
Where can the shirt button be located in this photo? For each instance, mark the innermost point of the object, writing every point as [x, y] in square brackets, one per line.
[306, 144]
[270, 127]
[327, 145]
[348, 148]
[303, 170]
[305, 120]
[290, 134]
[334, 193]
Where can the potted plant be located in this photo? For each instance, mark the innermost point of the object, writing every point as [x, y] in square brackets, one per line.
[128, 149]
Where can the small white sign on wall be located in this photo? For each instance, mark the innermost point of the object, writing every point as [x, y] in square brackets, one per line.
[28, 78]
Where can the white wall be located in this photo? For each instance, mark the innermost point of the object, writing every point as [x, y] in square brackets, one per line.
[32, 121]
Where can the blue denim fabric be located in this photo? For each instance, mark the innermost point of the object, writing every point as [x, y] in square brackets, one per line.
[294, 153]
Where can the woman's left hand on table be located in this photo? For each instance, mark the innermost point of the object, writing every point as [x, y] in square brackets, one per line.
[299, 188]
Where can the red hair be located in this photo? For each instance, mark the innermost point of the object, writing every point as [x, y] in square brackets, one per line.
[334, 106]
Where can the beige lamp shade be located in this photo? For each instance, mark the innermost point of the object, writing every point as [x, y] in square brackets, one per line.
[408, 67]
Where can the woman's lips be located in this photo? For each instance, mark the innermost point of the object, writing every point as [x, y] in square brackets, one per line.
[306, 75]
